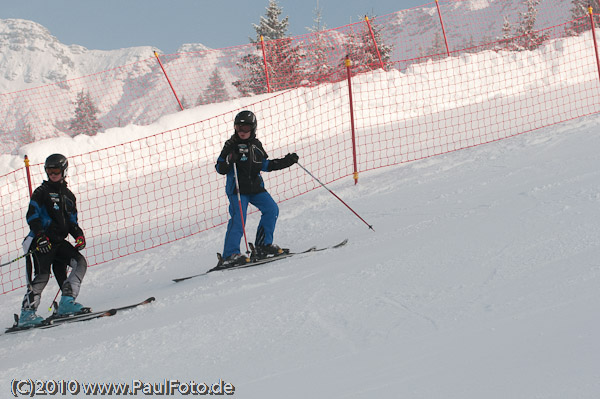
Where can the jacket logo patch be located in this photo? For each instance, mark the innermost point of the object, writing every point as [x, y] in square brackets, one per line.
[243, 150]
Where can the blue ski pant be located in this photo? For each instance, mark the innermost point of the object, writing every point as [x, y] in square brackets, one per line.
[266, 227]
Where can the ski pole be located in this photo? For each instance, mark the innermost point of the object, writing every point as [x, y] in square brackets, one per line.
[16, 259]
[332, 193]
[237, 188]
[54, 300]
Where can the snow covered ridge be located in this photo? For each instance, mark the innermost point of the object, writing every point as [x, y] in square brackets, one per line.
[157, 183]
[43, 77]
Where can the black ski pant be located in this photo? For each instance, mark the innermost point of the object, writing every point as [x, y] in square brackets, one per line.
[61, 255]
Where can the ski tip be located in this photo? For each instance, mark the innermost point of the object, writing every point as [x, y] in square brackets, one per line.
[151, 299]
[180, 279]
[341, 244]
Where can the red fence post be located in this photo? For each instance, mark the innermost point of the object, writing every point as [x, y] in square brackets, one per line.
[374, 41]
[443, 29]
[262, 45]
[348, 63]
[595, 40]
[168, 80]
[28, 175]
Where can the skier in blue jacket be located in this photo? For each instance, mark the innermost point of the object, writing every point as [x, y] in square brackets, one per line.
[245, 151]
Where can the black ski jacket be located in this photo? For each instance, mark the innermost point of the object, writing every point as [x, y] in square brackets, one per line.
[253, 159]
[52, 211]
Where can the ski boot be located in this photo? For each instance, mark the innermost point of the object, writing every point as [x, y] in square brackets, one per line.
[233, 260]
[68, 306]
[265, 251]
[28, 318]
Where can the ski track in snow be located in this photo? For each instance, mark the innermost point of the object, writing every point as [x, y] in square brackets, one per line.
[479, 281]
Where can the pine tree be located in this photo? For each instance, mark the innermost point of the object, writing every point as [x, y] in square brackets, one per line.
[363, 52]
[256, 80]
[283, 59]
[580, 10]
[318, 24]
[201, 100]
[506, 29]
[438, 47]
[507, 41]
[27, 135]
[184, 103]
[270, 27]
[85, 120]
[318, 50]
[215, 91]
[528, 38]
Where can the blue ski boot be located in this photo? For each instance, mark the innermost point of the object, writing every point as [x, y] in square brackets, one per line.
[68, 306]
[28, 318]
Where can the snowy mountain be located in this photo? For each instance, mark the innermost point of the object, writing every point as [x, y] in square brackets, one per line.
[42, 77]
[30, 56]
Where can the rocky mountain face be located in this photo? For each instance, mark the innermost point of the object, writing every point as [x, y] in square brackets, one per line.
[30, 56]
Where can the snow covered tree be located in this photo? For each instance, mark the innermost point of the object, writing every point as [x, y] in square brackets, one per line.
[283, 58]
[270, 27]
[363, 52]
[318, 24]
[27, 135]
[184, 103]
[438, 47]
[528, 38]
[579, 11]
[506, 41]
[85, 120]
[506, 29]
[318, 49]
[215, 92]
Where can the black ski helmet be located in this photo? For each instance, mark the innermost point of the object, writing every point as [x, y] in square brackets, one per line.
[246, 118]
[57, 161]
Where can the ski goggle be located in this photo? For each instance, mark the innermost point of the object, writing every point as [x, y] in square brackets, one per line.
[243, 128]
[53, 171]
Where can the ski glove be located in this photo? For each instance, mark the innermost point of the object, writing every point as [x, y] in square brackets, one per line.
[291, 158]
[282, 163]
[42, 244]
[80, 243]
[233, 157]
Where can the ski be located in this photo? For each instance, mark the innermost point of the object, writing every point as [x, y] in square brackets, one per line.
[135, 305]
[54, 320]
[262, 261]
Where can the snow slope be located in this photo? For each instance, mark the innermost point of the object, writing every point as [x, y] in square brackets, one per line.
[480, 281]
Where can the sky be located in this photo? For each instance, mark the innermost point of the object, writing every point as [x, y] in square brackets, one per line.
[166, 25]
